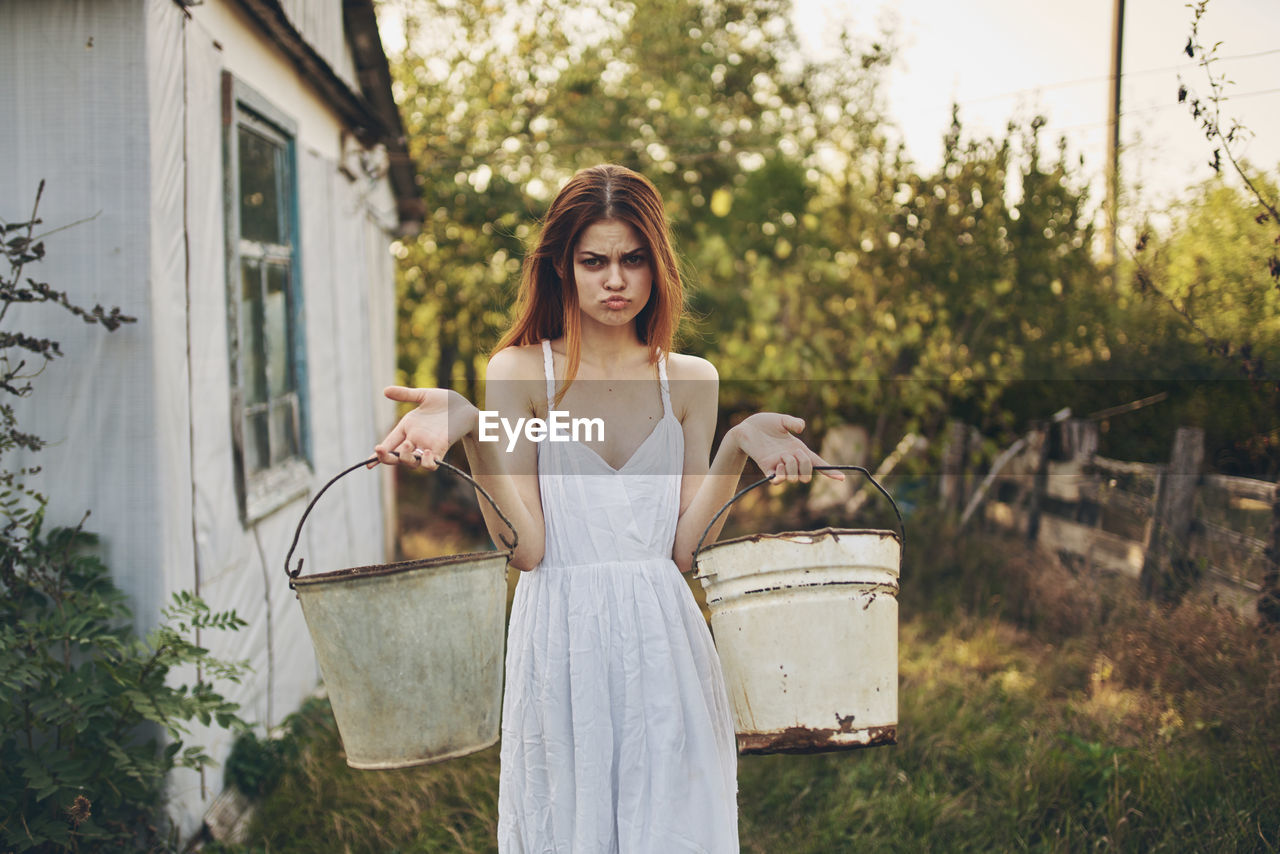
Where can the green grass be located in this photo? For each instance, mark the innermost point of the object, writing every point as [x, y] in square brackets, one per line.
[1039, 711]
[998, 753]
[321, 805]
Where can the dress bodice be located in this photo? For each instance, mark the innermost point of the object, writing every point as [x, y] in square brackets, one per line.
[597, 513]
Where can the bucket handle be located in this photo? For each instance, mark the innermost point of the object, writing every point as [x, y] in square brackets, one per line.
[902, 531]
[294, 573]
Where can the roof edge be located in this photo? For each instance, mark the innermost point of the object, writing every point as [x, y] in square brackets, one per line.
[374, 73]
[371, 113]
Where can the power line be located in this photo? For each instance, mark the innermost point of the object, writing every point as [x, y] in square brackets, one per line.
[1156, 108]
[1148, 72]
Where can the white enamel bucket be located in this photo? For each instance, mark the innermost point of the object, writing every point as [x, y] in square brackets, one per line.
[806, 626]
[412, 652]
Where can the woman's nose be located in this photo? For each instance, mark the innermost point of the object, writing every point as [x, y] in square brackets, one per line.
[614, 280]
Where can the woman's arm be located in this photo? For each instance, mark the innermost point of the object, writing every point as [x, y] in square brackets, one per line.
[425, 434]
[766, 437]
[512, 384]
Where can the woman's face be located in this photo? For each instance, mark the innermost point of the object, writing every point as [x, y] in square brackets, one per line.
[613, 273]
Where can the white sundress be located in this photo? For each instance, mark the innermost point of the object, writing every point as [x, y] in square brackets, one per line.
[617, 737]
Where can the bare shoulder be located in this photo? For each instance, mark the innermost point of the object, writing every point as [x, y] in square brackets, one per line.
[516, 363]
[513, 380]
[694, 387]
[683, 367]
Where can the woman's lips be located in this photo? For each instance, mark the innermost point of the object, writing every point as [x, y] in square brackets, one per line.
[616, 302]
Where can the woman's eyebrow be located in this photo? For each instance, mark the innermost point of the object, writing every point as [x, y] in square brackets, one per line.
[640, 250]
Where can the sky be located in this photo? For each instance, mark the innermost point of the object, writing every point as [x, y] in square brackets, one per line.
[1002, 59]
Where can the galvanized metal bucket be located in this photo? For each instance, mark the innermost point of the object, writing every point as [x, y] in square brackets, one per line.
[806, 626]
[411, 653]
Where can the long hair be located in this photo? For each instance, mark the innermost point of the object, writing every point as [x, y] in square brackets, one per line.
[547, 305]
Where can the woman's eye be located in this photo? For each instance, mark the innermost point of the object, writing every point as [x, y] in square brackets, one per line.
[636, 260]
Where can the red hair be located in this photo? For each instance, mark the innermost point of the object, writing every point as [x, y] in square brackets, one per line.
[547, 305]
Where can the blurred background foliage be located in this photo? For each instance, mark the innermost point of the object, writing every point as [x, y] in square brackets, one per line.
[1041, 709]
[827, 275]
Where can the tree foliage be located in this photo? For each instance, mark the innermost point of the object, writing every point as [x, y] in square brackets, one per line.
[807, 239]
[1210, 282]
[502, 105]
[1203, 305]
[829, 276]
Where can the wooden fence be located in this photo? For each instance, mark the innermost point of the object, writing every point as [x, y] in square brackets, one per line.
[1167, 525]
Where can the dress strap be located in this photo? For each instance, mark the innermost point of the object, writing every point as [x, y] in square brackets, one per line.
[662, 382]
[549, 370]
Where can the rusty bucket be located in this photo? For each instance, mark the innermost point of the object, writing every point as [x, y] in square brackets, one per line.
[806, 626]
[411, 653]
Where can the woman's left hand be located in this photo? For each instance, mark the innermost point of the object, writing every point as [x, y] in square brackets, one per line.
[768, 439]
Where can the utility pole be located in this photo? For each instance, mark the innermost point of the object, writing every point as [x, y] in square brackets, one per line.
[1113, 138]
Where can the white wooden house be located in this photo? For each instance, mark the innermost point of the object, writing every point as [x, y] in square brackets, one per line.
[240, 170]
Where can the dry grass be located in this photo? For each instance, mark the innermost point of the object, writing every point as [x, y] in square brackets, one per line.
[323, 806]
[1041, 709]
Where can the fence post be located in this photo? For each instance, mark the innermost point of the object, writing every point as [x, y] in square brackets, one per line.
[1079, 439]
[1167, 570]
[1040, 481]
[954, 453]
[1269, 601]
[848, 444]
[1080, 444]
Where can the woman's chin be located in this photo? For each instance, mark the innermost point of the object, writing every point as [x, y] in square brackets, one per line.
[610, 318]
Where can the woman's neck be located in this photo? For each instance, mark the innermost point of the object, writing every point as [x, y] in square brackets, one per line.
[609, 347]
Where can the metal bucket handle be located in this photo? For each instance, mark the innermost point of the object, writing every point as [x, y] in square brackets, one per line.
[902, 531]
[294, 573]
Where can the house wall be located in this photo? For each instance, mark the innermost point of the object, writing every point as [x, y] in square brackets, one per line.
[343, 237]
[76, 96]
[255, 59]
[119, 106]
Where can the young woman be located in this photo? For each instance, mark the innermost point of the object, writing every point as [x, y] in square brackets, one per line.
[616, 729]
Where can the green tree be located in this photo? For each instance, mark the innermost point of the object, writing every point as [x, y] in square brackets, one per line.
[938, 296]
[1202, 315]
[503, 105]
[1212, 270]
[827, 276]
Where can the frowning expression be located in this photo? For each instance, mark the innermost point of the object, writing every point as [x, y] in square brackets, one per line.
[613, 272]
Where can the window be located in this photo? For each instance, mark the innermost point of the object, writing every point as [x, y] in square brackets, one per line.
[264, 303]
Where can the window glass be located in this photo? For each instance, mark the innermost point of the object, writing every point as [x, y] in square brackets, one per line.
[284, 430]
[261, 177]
[276, 328]
[257, 442]
[253, 345]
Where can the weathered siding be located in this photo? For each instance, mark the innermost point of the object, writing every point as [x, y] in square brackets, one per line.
[320, 23]
[117, 103]
[75, 100]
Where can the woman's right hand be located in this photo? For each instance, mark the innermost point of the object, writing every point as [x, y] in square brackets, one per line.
[425, 434]
[769, 439]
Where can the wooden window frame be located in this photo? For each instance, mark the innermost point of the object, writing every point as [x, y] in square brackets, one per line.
[263, 492]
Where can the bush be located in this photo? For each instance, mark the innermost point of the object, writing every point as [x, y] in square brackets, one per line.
[255, 765]
[85, 701]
